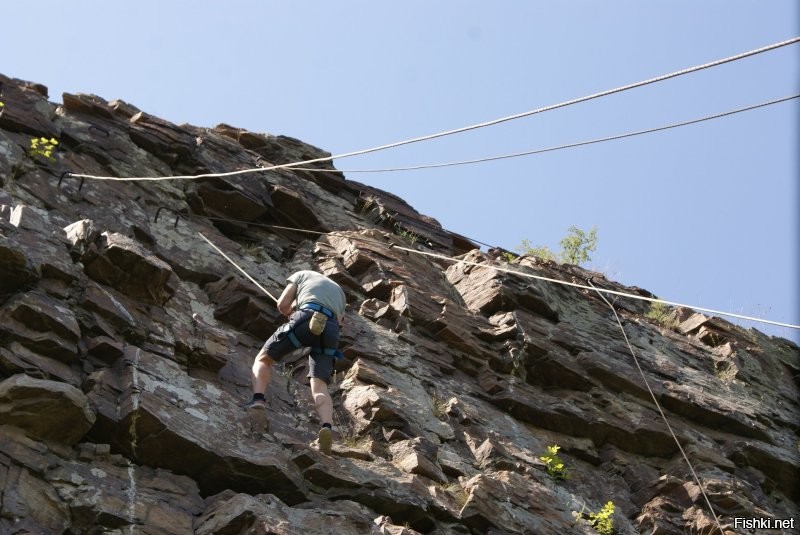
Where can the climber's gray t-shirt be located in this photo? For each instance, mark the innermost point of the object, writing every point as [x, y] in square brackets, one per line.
[313, 287]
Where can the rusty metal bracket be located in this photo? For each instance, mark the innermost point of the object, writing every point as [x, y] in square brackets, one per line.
[68, 174]
[178, 215]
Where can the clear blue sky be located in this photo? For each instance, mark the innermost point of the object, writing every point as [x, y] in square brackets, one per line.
[705, 214]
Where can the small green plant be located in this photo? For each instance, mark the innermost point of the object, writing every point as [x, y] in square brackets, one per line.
[459, 493]
[407, 235]
[439, 405]
[348, 435]
[43, 147]
[364, 205]
[662, 314]
[510, 257]
[725, 370]
[575, 247]
[255, 250]
[349, 439]
[543, 251]
[602, 521]
[286, 371]
[555, 466]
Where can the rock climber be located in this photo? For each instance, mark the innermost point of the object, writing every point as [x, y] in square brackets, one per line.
[314, 306]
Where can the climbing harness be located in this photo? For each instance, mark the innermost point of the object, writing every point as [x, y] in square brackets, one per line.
[315, 307]
[325, 314]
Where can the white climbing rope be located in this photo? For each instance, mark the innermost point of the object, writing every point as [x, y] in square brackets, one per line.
[599, 291]
[550, 149]
[226, 257]
[503, 270]
[660, 411]
[603, 290]
[465, 128]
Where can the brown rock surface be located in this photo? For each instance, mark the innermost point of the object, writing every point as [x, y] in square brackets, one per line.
[126, 344]
[46, 410]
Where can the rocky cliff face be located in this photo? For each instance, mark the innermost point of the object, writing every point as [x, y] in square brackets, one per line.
[126, 344]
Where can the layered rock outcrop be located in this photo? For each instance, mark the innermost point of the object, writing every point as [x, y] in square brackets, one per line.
[126, 343]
